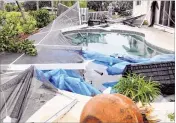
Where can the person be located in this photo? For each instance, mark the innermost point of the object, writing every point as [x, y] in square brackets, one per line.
[154, 5]
[110, 9]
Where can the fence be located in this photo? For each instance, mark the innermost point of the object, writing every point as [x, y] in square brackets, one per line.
[85, 15]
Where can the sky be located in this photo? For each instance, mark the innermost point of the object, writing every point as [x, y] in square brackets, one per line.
[9, 1]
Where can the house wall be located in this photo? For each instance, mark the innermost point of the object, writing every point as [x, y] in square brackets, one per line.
[140, 9]
[144, 8]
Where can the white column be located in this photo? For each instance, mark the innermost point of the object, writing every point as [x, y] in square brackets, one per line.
[158, 12]
[52, 5]
[169, 14]
[37, 5]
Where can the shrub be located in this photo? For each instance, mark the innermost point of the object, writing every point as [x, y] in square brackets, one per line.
[42, 17]
[30, 5]
[25, 46]
[29, 25]
[171, 116]
[145, 22]
[13, 23]
[52, 17]
[10, 44]
[137, 88]
[83, 4]
[11, 7]
[68, 3]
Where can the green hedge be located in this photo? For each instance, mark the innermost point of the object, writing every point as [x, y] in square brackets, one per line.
[15, 24]
[11, 26]
[42, 17]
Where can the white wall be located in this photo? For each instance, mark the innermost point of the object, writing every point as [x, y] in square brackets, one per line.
[158, 13]
[140, 9]
[144, 8]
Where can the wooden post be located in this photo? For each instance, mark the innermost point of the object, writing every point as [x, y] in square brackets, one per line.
[20, 10]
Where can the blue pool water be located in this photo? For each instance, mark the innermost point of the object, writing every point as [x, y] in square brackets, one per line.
[113, 43]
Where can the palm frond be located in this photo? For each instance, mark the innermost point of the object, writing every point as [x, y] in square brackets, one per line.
[138, 88]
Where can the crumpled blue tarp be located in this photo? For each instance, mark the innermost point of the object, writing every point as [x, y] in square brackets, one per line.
[117, 68]
[109, 84]
[164, 57]
[70, 80]
[133, 59]
[116, 63]
[100, 58]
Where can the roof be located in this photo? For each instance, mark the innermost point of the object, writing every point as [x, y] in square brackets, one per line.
[21, 91]
[162, 72]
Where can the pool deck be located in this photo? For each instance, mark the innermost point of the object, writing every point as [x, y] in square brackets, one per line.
[156, 37]
[160, 38]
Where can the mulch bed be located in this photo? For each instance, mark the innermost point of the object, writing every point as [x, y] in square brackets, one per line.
[23, 36]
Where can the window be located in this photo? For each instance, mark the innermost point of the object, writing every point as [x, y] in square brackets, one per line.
[138, 2]
[167, 13]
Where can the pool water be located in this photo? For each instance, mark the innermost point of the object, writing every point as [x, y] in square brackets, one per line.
[113, 43]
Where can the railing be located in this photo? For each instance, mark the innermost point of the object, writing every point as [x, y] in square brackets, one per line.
[98, 14]
[85, 15]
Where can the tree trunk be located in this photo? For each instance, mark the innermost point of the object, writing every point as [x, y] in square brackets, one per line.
[20, 10]
[37, 5]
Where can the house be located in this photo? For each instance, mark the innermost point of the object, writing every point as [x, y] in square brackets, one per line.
[164, 16]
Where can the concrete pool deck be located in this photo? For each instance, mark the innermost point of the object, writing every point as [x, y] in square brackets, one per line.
[160, 38]
[156, 37]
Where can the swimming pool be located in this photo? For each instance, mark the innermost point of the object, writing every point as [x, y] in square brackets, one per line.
[114, 42]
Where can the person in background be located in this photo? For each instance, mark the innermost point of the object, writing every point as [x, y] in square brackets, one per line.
[110, 10]
[154, 5]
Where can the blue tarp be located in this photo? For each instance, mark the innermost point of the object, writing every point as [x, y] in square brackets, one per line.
[69, 80]
[116, 64]
[133, 59]
[100, 58]
[109, 84]
[164, 57]
[119, 67]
